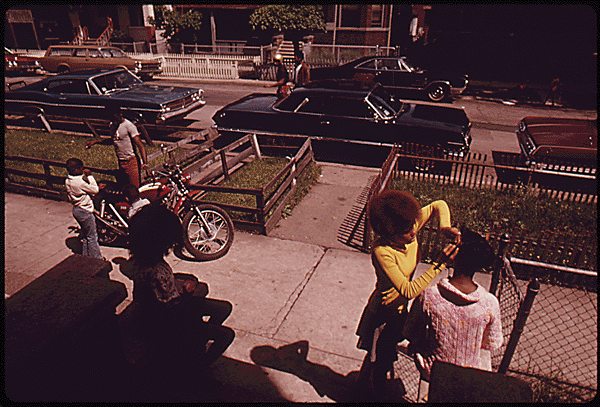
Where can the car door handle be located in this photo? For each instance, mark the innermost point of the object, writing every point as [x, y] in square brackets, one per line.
[326, 122]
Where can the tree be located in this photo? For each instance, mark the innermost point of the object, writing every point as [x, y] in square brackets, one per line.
[181, 28]
[292, 20]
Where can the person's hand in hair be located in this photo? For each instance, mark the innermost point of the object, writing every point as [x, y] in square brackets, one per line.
[448, 253]
[452, 233]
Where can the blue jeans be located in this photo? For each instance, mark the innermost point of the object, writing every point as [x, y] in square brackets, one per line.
[88, 234]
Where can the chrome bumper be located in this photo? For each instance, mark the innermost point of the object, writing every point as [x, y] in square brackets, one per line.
[169, 115]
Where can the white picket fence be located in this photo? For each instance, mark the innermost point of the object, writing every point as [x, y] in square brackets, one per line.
[198, 67]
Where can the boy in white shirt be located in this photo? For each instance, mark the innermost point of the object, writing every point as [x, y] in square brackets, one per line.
[80, 186]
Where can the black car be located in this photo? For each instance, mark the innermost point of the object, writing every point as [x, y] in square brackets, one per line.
[348, 110]
[398, 76]
[87, 94]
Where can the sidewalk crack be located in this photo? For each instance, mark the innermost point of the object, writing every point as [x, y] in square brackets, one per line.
[295, 294]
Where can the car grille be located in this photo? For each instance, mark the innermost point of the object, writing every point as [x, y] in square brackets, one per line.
[28, 64]
[150, 65]
[180, 103]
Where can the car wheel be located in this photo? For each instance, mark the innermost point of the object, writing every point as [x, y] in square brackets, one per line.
[436, 93]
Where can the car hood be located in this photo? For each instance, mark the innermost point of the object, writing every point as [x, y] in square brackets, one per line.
[154, 93]
[445, 116]
[562, 132]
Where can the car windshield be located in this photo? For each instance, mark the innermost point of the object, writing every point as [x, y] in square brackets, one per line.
[408, 65]
[116, 81]
[386, 104]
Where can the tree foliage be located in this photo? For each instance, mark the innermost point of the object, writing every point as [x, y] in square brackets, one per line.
[179, 27]
[288, 18]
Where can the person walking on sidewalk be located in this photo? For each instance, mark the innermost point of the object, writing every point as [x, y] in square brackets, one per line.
[396, 217]
[80, 186]
[454, 320]
[302, 71]
[282, 78]
[554, 92]
[124, 136]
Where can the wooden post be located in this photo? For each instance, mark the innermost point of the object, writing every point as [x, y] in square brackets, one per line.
[45, 122]
[260, 204]
[255, 146]
[48, 175]
[92, 129]
[224, 164]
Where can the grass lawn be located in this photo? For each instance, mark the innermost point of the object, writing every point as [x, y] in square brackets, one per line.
[479, 208]
[59, 147]
[256, 175]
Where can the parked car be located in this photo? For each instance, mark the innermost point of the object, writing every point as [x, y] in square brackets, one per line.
[545, 139]
[348, 110]
[561, 152]
[87, 94]
[398, 76]
[16, 64]
[70, 58]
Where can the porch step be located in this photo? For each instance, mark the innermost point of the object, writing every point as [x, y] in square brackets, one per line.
[286, 49]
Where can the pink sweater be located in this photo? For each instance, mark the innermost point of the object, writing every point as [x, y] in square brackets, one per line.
[446, 324]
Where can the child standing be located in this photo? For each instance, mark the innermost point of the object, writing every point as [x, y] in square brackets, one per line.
[396, 217]
[80, 186]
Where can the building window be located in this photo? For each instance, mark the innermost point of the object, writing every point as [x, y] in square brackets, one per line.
[136, 18]
[349, 15]
[377, 12]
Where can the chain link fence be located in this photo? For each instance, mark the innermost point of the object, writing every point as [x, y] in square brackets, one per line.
[557, 349]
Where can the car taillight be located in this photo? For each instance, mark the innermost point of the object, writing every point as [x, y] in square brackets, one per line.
[186, 177]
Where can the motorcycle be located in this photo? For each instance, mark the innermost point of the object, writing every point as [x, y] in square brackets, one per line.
[208, 229]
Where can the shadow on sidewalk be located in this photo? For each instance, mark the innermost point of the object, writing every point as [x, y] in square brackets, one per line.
[292, 358]
[227, 380]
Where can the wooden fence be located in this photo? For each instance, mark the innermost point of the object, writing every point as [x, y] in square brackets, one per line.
[272, 198]
[197, 155]
[473, 171]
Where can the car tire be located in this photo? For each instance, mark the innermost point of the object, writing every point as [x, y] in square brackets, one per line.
[437, 92]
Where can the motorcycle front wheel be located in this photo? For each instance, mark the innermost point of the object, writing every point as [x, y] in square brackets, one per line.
[208, 232]
[106, 235]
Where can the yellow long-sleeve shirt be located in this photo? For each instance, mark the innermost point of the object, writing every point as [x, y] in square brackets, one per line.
[394, 266]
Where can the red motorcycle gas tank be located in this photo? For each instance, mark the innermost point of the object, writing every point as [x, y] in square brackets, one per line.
[155, 190]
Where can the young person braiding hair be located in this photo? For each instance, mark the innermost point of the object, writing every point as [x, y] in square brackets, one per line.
[396, 217]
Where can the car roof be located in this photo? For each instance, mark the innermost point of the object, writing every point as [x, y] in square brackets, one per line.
[85, 73]
[339, 86]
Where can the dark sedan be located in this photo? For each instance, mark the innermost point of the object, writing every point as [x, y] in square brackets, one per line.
[398, 76]
[87, 94]
[357, 111]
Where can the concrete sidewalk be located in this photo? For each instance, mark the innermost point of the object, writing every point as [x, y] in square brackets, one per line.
[300, 286]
